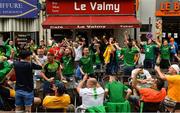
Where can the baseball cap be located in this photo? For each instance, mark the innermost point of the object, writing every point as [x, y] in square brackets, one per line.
[51, 51]
[176, 67]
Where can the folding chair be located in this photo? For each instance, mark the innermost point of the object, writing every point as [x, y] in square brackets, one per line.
[80, 109]
[149, 106]
[177, 107]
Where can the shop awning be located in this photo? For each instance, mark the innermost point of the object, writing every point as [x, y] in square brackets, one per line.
[90, 22]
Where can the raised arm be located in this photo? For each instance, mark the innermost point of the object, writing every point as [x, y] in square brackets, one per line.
[161, 75]
[81, 83]
[134, 79]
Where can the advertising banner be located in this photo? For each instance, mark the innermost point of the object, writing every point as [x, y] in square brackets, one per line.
[90, 7]
[18, 9]
[168, 8]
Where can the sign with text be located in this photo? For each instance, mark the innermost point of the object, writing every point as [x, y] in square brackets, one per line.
[90, 7]
[18, 9]
[168, 8]
[90, 26]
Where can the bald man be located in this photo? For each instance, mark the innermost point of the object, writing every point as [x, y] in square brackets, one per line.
[93, 94]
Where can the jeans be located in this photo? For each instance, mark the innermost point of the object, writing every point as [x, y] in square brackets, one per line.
[127, 70]
[24, 98]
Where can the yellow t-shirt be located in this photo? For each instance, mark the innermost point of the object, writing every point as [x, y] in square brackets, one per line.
[56, 102]
[173, 87]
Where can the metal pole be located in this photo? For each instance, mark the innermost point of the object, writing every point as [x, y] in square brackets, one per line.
[149, 24]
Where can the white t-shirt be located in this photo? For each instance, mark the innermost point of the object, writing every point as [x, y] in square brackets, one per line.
[42, 61]
[145, 75]
[78, 53]
[92, 97]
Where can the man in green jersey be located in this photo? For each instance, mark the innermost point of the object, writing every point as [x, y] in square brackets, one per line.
[51, 72]
[128, 54]
[68, 65]
[150, 55]
[10, 48]
[116, 99]
[87, 62]
[165, 50]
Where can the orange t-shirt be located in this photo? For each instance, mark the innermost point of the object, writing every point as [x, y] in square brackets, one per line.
[152, 95]
[173, 91]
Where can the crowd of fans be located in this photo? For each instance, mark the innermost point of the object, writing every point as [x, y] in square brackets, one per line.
[73, 75]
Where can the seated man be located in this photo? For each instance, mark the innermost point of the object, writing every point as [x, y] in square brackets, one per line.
[92, 95]
[153, 94]
[60, 100]
[143, 77]
[117, 100]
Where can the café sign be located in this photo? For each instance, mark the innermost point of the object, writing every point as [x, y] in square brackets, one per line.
[90, 26]
[168, 8]
[90, 7]
[18, 9]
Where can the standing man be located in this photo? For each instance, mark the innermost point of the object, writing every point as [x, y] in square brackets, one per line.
[165, 55]
[24, 81]
[87, 62]
[51, 72]
[128, 54]
[68, 65]
[10, 48]
[150, 56]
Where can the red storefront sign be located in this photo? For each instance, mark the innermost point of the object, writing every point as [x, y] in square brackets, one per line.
[90, 26]
[90, 7]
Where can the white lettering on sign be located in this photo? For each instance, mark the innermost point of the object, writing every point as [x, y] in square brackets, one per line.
[81, 26]
[81, 7]
[95, 27]
[98, 7]
[56, 27]
[11, 5]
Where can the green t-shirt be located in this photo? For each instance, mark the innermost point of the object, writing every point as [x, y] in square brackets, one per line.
[97, 59]
[116, 91]
[150, 51]
[68, 63]
[5, 68]
[165, 52]
[129, 55]
[86, 64]
[118, 54]
[50, 69]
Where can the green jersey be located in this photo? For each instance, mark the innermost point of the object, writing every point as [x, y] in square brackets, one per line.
[68, 62]
[165, 52]
[150, 51]
[116, 91]
[86, 62]
[50, 69]
[129, 55]
[118, 54]
[5, 68]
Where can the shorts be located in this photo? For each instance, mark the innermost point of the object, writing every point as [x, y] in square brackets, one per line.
[24, 98]
[164, 64]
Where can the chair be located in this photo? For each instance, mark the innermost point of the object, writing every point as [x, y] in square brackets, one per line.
[70, 108]
[80, 109]
[177, 107]
[118, 107]
[149, 106]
